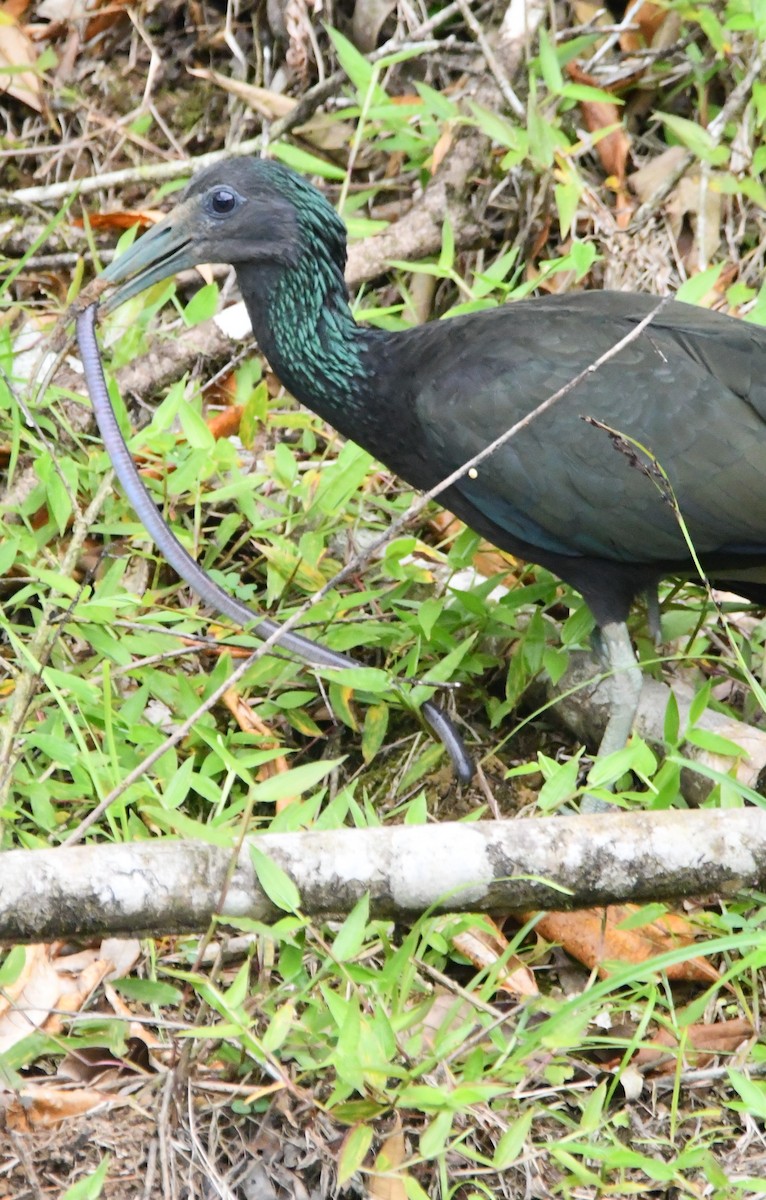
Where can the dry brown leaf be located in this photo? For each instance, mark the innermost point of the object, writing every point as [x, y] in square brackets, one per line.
[612, 149]
[39, 1106]
[488, 561]
[26, 1004]
[686, 200]
[17, 51]
[323, 130]
[111, 12]
[701, 1045]
[390, 1156]
[446, 1012]
[483, 947]
[121, 219]
[649, 18]
[441, 149]
[65, 11]
[592, 937]
[50, 981]
[226, 423]
[369, 18]
[250, 722]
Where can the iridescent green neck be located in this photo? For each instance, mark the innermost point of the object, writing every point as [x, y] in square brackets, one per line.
[314, 332]
[304, 325]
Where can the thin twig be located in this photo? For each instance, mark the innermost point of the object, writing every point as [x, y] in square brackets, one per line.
[499, 75]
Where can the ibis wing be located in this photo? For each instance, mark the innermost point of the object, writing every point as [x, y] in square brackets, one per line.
[688, 391]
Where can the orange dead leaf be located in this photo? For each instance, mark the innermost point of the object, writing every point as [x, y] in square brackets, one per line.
[441, 149]
[250, 722]
[16, 53]
[50, 981]
[111, 12]
[483, 947]
[226, 423]
[592, 936]
[702, 1043]
[121, 218]
[391, 1155]
[612, 149]
[41, 1106]
[649, 18]
[487, 560]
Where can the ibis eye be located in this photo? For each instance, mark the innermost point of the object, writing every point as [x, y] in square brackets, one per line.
[223, 201]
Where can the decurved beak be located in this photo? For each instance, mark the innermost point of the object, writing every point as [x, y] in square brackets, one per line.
[165, 249]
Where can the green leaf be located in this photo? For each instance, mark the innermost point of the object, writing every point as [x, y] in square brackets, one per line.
[91, 1187]
[644, 916]
[359, 69]
[355, 1148]
[434, 1137]
[350, 937]
[275, 882]
[549, 64]
[714, 743]
[362, 679]
[498, 128]
[374, 730]
[148, 991]
[279, 1027]
[513, 1141]
[567, 197]
[560, 786]
[195, 428]
[294, 782]
[695, 137]
[672, 721]
[307, 164]
[699, 704]
[12, 966]
[696, 287]
[753, 1095]
[9, 548]
[635, 757]
[203, 305]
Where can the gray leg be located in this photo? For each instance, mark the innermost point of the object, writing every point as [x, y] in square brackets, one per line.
[625, 685]
[653, 615]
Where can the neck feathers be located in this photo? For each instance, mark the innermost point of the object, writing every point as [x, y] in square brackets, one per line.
[303, 323]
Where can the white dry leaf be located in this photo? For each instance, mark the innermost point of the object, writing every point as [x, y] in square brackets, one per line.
[63, 10]
[687, 200]
[17, 53]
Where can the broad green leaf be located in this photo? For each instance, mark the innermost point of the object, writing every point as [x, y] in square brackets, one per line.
[355, 1147]
[513, 1141]
[695, 137]
[275, 882]
[433, 1139]
[203, 305]
[91, 1187]
[350, 937]
[374, 730]
[307, 164]
[148, 991]
[294, 782]
[696, 287]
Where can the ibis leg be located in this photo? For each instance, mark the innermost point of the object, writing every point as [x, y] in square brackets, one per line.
[625, 685]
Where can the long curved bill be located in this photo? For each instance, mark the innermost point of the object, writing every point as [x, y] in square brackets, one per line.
[165, 249]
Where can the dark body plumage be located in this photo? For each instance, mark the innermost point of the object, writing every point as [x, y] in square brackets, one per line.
[690, 389]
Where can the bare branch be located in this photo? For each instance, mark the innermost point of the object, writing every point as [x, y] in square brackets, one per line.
[165, 887]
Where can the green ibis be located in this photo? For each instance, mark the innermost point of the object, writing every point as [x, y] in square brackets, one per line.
[691, 389]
